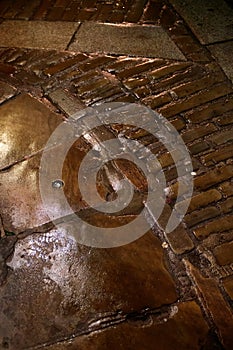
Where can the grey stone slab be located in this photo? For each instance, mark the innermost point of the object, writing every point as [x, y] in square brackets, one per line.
[211, 21]
[36, 34]
[224, 55]
[135, 40]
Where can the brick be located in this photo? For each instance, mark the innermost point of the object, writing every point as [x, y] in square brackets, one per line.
[70, 12]
[187, 44]
[95, 62]
[189, 73]
[210, 111]
[6, 68]
[122, 63]
[28, 11]
[166, 159]
[227, 206]
[196, 100]
[197, 133]
[213, 302]
[142, 91]
[218, 225]
[226, 119]
[213, 177]
[64, 65]
[178, 239]
[13, 9]
[55, 14]
[217, 156]
[66, 102]
[197, 85]
[152, 12]
[141, 68]
[136, 11]
[165, 71]
[133, 83]
[198, 147]
[201, 215]
[200, 200]
[228, 286]
[226, 188]
[158, 100]
[42, 9]
[224, 253]
[92, 85]
[201, 56]
[222, 137]
[178, 123]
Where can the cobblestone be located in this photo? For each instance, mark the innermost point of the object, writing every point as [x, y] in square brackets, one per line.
[224, 253]
[226, 188]
[213, 177]
[65, 295]
[222, 137]
[201, 215]
[218, 225]
[217, 156]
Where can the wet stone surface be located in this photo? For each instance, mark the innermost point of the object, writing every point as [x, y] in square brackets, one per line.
[184, 328]
[72, 286]
[123, 40]
[164, 290]
[46, 34]
[25, 125]
[206, 19]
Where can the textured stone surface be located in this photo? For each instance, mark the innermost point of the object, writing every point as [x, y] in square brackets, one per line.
[73, 286]
[206, 19]
[223, 54]
[66, 102]
[42, 35]
[228, 285]
[186, 328]
[120, 39]
[6, 91]
[224, 253]
[25, 126]
[215, 304]
[54, 291]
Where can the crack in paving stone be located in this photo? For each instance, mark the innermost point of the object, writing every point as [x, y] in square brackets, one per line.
[142, 318]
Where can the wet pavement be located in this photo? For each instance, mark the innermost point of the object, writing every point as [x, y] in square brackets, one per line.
[166, 290]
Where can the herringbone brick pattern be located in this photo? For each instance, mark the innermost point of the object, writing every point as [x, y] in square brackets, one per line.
[197, 98]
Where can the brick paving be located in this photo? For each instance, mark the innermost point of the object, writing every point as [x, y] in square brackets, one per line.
[169, 291]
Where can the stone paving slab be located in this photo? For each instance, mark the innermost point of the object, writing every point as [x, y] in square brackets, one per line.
[36, 34]
[223, 53]
[185, 329]
[205, 18]
[146, 41]
[6, 91]
[25, 126]
[75, 288]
